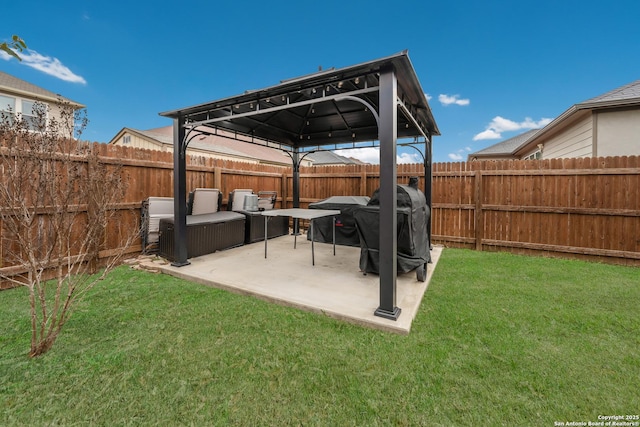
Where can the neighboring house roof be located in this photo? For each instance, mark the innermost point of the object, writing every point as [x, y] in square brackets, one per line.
[229, 146]
[11, 84]
[624, 96]
[212, 143]
[329, 158]
[358, 161]
[505, 148]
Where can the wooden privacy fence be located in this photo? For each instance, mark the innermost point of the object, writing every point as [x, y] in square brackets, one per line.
[571, 207]
[582, 208]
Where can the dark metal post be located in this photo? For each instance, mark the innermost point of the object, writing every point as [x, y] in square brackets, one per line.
[387, 133]
[295, 158]
[428, 183]
[179, 194]
[265, 235]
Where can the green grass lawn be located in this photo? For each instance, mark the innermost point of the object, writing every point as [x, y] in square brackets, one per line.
[499, 340]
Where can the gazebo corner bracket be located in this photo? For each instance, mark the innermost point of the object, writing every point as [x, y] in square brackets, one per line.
[363, 102]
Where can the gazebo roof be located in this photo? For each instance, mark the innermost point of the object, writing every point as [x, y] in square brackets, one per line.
[319, 110]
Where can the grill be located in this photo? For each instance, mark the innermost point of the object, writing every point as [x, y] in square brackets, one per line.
[413, 241]
[346, 233]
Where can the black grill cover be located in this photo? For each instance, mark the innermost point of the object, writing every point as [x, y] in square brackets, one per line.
[346, 233]
[413, 241]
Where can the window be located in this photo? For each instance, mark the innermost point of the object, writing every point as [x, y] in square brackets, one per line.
[537, 155]
[29, 115]
[26, 109]
[126, 139]
[7, 108]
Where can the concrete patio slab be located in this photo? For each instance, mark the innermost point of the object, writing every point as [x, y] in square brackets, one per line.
[334, 286]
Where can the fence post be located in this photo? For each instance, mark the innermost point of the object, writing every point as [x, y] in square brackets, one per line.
[363, 180]
[283, 190]
[479, 221]
[217, 178]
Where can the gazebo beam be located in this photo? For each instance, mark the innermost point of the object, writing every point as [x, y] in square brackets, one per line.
[303, 103]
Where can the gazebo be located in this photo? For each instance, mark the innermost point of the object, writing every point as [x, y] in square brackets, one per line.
[372, 104]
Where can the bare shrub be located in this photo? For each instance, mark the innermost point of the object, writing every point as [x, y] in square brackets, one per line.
[57, 201]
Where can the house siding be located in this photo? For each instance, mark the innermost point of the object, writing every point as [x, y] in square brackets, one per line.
[574, 141]
[618, 133]
[140, 142]
[137, 142]
[53, 110]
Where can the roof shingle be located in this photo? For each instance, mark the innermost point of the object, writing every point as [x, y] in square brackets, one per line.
[624, 93]
[507, 146]
[10, 83]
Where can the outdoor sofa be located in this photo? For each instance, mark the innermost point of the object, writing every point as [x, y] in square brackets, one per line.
[208, 228]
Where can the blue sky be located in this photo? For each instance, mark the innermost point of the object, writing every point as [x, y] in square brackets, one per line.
[491, 69]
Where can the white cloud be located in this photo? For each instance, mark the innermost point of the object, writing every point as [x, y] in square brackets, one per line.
[487, 134]
[454, 99]
[428, 96]
[500, 124]
[459, 155]
[47, 65]
[408, 158]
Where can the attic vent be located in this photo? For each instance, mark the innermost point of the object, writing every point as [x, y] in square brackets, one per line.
[126, 139]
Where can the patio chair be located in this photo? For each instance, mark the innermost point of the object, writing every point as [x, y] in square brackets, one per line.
[204, 201]
[236, 199]
[153, 210]
[254, 230]
[266, 200]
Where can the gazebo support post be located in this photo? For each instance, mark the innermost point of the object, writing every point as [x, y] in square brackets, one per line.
[388, 112]
[295, 158]
[179, 193]
[428, 181]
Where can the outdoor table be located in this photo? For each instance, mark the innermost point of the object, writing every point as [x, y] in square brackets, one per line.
[298, 213]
